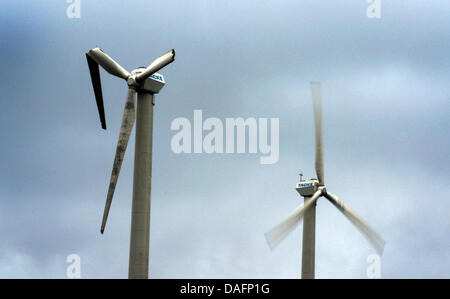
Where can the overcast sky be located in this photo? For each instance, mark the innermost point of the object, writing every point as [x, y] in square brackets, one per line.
[386, 103]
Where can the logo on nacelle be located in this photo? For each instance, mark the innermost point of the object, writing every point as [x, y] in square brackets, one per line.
[304, 185]
[157, 77]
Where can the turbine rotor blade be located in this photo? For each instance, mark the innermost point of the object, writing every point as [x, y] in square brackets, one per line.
[317, 104]
[108, 63]
[128, 118]
[96, 84]
[373, 237]
[280, 232]
[156, 65]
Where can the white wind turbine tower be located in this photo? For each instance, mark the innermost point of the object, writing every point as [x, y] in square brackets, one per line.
[146, 82]
[311, 190]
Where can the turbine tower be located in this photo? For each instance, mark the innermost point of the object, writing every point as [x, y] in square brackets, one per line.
[312, 190]
[145, 82]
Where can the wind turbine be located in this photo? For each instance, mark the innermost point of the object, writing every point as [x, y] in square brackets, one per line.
[145, 82]
[312, 190]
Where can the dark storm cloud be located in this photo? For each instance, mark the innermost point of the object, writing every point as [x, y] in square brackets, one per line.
[385, 99]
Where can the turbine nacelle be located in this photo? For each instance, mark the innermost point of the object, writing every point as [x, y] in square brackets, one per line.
[307, 187]
[141, 79]
[153, 84]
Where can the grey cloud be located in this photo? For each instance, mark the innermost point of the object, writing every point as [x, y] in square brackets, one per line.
[385, 101]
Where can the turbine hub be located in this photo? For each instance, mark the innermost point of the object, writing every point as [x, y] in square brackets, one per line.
[324, 190]
[152, 84]
[131, 81]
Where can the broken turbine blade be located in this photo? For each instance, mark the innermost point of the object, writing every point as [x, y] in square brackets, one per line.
[108, 63]
[156, 65]
[373, 237]
[97, 85]
[280, 232]
[128, 118]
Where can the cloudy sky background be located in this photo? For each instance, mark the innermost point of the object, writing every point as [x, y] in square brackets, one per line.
[386, 126]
